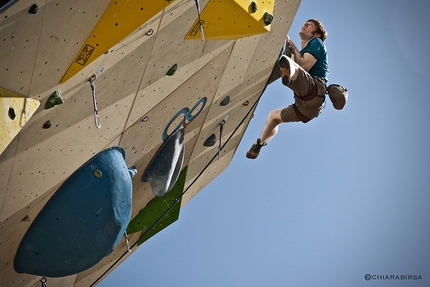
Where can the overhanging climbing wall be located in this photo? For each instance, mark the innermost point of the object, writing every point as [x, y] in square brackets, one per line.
[146, 85]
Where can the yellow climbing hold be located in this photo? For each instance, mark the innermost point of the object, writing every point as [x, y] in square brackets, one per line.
[15, 111]
[233, 19]
[118, 21]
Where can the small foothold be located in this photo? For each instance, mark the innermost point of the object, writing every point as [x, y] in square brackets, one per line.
[25, 219]
[149, 32]
[97, 173]
[268, 18]
[172, 70]
[253, 7]
[54, 99]
[33, 9]
[225, 102]
[211, 141]
[47, 124]
[11, 113]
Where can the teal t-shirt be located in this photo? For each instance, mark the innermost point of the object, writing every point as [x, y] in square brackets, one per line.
[317, 48]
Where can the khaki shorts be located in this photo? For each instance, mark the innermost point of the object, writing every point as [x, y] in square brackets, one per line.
[302, 87]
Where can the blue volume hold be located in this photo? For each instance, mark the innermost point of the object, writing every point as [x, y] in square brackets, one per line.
[82, 222]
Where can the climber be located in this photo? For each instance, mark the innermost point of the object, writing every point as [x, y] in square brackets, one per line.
[305, 72]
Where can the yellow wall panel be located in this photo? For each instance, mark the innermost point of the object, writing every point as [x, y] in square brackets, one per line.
[232, 19]
[16, 110]
[119, 20]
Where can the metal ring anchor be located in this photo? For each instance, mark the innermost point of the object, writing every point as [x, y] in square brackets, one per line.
[189, 115]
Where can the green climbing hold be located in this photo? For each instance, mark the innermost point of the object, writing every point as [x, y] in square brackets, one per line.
[172, 70]
[225, 101]
[210, 141]
[160, 212]
[253, 7]
[11, 114]
[268, 18]
[33, 9]
[54, 99]
[47, 124]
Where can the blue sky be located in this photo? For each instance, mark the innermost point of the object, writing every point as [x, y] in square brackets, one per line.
[328, 201]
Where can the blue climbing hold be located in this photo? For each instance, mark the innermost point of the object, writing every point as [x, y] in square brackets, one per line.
[82, 222]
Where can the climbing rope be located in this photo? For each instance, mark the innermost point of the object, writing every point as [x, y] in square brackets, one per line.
[221, 127]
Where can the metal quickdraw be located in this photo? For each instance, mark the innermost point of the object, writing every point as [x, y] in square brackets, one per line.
[96, 112]
[127, 242]
[200, 20]
[221, 128]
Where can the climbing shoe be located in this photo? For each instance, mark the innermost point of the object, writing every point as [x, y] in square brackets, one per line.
[284, 63]
[254, 151]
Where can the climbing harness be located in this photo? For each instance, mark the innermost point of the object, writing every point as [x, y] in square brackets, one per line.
[96, 112]
[221, 128]
[311, 96]
[304, 119]
[200, 20]
[301, 116]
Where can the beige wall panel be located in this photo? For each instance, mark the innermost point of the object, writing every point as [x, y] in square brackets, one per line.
[238, 64]
[37, 58]
[28, 199]
[58, 151]
[213, 170]
[169, 49]
[142, 140]
[66, 26]
[26, 214]
[25, 280]
[6, 163]
[153, 93]
[238, 119]
[248, 92]
[19, 45]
